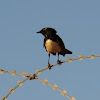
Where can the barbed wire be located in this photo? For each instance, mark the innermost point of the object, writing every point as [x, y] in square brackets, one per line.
[55, 87]
[12, 90]
[38, 72]
[45, 82]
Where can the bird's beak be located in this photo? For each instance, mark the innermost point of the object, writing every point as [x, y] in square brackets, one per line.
[38, 32]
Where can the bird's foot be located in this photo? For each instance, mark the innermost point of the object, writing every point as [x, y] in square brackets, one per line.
[49, 66]
[59, 62]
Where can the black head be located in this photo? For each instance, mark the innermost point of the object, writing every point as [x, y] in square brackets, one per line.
[48, 31]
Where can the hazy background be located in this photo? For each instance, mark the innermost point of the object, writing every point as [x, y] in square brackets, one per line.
[77, 22]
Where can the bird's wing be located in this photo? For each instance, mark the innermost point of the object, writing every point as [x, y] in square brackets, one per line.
[60, 42]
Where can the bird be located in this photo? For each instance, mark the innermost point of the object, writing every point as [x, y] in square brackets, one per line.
[53, 44]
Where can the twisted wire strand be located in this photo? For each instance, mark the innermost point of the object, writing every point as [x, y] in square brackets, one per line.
[33, 76]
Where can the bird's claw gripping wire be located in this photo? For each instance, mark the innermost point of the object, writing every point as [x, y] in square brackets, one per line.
[59, 62]
[49, 66]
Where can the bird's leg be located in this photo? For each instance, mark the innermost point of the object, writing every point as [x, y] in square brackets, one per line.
[59, 61]
[49, 66]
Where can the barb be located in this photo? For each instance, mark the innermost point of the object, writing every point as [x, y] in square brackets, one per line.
[33, 76]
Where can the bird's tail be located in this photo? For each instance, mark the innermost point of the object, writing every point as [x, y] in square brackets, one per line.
[66, 51]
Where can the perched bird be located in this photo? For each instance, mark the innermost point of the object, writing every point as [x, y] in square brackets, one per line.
[53, 44]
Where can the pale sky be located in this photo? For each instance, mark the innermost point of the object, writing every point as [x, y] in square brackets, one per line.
[77, 22]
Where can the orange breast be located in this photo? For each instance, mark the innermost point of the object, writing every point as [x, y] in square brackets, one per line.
[52, 47]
